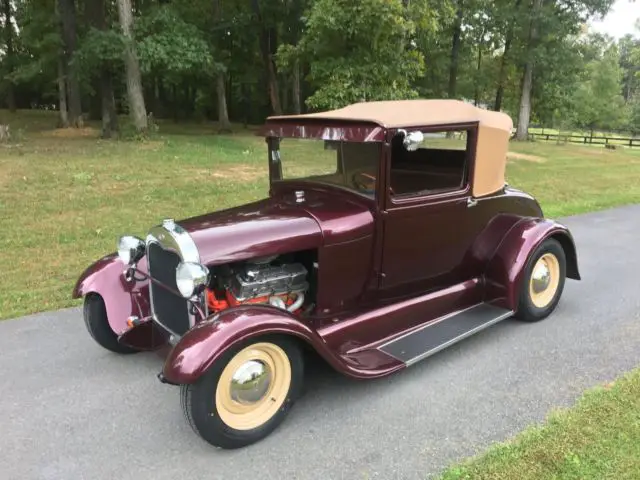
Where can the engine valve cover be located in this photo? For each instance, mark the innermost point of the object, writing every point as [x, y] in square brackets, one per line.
[254, 280]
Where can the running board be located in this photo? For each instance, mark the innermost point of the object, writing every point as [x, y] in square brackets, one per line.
[439, 334]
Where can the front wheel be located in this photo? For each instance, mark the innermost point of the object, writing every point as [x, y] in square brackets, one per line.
[246, 394]
[543, 282]
[95, 319]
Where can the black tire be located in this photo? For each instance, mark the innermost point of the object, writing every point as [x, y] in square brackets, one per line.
[527, 310]
[95, 318]
[198, 400]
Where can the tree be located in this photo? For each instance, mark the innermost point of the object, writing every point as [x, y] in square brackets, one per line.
[96, 18]
[221, 92]
[137, 109]
[634, 117]
[67, 11]
[598, 102]
[9, 59]
[178, 53]
[267, 35]
[356, 52]
[509, 15]
[524, 113]
[549, 22]
[630, 63]
[203, 59]
[455, 49]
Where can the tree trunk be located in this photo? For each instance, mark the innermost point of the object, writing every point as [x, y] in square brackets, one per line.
[9, 56]
[455, 51]
[224, 124]
[67, 11]
[267, 40]
[137, 109]
[109, 114]
[62, 95]
[284, 97]
[524, 115]
[476, 96]
[94, 105]
[96, 17]
[159, 110]
[221, 90]
[296, 88]
[502, 73]
[505, 57]
[174, 103]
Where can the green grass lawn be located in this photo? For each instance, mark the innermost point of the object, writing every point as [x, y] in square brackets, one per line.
[66, 196]
[597, 439]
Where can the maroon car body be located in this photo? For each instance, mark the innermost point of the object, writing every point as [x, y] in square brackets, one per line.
[382, 267]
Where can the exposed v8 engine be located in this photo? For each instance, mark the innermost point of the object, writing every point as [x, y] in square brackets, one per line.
[282, 286]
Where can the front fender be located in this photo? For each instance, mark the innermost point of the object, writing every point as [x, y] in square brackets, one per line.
[122, 298]
[505, 269]
[199, 348]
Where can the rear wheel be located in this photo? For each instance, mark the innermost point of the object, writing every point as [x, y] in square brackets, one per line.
[95, 318]
[543, 282]
[246, 394]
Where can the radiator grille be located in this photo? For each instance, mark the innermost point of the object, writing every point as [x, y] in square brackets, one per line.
[170, 309]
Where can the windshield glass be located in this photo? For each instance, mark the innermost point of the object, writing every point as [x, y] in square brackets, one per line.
[350, 165]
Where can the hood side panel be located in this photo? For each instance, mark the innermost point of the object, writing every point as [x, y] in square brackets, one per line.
[342, 216]
[266, 227]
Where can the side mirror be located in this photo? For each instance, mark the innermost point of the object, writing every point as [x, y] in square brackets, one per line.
[412, 140]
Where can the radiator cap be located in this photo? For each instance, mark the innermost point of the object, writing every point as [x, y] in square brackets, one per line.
[169, 224]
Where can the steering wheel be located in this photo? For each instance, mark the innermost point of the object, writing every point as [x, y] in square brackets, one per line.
[366, 182]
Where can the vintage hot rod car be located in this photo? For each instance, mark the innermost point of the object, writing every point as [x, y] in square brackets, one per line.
[389, 233]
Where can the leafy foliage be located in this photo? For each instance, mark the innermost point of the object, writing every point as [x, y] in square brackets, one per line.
[598, 101]
[358, 51]
[330, 53]
[99, 47]
[168, 44]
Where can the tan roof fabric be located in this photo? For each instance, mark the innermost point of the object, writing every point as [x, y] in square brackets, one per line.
[491, 160]
[406, 113]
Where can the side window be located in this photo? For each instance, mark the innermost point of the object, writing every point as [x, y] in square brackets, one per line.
[439, 164]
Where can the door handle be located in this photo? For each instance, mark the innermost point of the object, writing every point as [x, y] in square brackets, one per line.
[471, 202]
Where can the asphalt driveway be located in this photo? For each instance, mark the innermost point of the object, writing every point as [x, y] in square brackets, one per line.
[70, 410]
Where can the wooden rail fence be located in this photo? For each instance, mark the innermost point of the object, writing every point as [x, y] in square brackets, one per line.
[586, 139]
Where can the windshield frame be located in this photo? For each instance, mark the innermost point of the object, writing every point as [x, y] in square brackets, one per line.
[276, 174]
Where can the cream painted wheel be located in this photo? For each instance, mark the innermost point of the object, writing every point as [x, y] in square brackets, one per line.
[253, 386]
[544, 280]
[246, 393]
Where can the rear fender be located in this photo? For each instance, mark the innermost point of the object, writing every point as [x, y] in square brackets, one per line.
[505, 269]
[201, 346]
[122, 298]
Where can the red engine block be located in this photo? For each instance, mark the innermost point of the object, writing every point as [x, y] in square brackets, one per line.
[218, 304]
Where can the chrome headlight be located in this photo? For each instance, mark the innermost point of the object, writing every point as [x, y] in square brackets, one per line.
[191, 278]
[130, 249]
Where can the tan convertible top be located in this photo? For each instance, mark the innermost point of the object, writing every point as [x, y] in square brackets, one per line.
[406, 113]
[494, 129]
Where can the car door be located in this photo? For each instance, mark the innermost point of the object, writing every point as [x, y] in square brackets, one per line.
[429, 220]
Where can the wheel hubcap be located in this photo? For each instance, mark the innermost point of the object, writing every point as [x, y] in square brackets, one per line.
[541, 277]
[251, 382]
[253, 386]
[544, 281]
